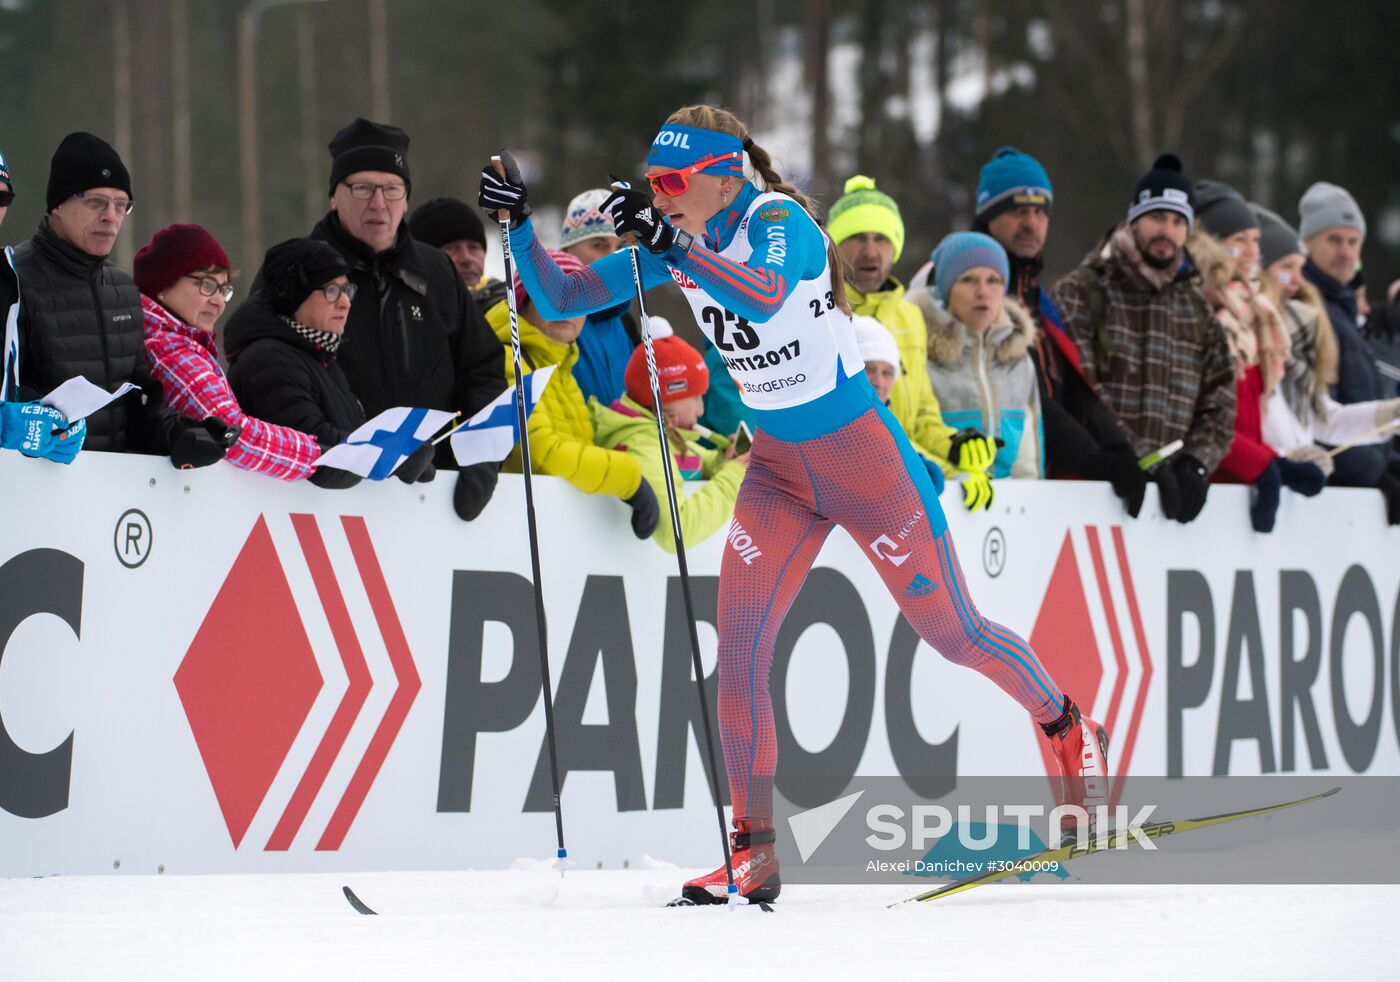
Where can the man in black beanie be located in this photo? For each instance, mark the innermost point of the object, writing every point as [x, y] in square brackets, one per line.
[1149, 342]
[455, 227]
[81, 315]
[414, 337]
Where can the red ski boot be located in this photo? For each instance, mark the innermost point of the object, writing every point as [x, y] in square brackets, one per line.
[1081, 751]
[755, 864]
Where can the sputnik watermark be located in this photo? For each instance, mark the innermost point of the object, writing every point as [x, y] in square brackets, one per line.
[929, 823]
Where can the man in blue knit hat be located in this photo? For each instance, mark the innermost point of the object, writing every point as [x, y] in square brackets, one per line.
[1082, 437]
[1013, 206]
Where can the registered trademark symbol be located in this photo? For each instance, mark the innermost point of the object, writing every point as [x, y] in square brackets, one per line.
[132, 538]
[994, 552]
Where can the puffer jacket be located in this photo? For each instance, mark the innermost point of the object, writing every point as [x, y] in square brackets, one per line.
[630, 427]
[987, 382]
[281, 377]
[560, 427]
[81, 315]
[912, 400]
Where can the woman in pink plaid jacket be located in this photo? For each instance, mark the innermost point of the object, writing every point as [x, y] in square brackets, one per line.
[183, 274]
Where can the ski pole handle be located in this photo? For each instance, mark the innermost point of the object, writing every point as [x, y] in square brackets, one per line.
[502, 215]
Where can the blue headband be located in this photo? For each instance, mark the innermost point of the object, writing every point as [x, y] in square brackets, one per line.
[681, 146]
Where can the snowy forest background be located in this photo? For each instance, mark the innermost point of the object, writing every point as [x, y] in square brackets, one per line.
[1268, 95]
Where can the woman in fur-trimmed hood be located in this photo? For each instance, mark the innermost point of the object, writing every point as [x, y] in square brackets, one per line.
[980, 353]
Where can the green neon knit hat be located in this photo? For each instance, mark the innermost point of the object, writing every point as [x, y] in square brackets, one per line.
[864, 209]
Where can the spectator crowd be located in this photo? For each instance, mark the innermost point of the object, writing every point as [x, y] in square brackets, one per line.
[1205, 339]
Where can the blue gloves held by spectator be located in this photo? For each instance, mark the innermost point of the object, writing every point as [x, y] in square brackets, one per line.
[1305, 478]
[36, 430]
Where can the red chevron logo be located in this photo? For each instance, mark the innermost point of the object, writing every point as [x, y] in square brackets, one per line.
[250, 679]
[1082, 635]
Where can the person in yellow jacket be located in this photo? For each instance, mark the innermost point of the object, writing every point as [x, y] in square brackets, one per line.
[629, 425]
[868, 231]
[560, 427]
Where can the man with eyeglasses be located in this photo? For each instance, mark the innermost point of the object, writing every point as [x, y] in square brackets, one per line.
[81, 315]
[414, 336]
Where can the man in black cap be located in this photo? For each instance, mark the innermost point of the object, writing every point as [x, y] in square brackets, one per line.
[81, 315]
[1149, 342]
[414, 337]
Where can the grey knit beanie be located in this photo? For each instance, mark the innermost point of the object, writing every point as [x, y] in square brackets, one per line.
[1277, 239]
[1326, 206]
[1222, 209]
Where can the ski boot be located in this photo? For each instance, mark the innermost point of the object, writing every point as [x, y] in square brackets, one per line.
[755, 865]
[1080, 748]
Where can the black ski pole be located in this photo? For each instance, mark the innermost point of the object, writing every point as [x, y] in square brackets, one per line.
[503, 217]
[733, 894]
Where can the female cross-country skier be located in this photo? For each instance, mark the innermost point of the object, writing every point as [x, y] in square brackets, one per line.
[766, 288]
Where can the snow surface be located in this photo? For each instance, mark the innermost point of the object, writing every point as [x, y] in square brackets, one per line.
[527, 922]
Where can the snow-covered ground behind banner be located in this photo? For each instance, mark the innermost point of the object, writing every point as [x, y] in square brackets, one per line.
[528, 923]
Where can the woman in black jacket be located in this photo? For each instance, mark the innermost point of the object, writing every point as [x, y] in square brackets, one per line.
[281, 346]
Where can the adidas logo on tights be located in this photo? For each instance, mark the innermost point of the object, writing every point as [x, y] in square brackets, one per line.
[920, 586]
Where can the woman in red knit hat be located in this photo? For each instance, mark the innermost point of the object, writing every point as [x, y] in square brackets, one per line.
[183, 274]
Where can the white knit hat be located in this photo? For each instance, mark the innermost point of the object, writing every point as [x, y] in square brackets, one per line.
[583, 220]
[876, 342]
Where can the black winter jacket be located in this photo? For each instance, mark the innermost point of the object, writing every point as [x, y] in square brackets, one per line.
[281, 377]
[1078, 426]
[81, 315]
[414, 337]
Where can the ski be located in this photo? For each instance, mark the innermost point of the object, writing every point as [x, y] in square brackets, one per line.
[1102, 842]
[360, 906]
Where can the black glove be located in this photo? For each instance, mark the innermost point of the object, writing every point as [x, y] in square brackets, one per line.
[474, 487]
[633, 214]
[1390, 487]
[504, 194]
[1298, 475]
[334, 479]
[646, 513]
[199, 444]
[1168, 491]
[1194, 482]
[1266, 495]
[972, 452]
[1119, 467]
[417, 466]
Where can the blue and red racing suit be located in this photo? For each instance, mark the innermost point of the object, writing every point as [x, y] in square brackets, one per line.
[827, 453]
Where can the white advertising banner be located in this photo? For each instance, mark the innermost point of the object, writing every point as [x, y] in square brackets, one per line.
[209, 671]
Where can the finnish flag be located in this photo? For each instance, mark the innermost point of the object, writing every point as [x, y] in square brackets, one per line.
[377, 448]
[490, 434]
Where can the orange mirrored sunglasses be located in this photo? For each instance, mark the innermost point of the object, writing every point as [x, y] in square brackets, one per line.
[673, 183]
